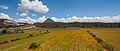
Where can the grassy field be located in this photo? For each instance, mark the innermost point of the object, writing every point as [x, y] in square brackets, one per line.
[63, 39]
[111, 35]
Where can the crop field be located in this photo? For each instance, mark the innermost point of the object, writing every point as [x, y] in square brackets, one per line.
[111, 35]
[63, 39]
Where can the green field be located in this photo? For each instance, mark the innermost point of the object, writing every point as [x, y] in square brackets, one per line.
[63, 39]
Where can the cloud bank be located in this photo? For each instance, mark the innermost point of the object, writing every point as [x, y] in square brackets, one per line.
[27, 20]
[31, 21]
[105, 19]
[3, 7]
[4, 16]
[35, 5]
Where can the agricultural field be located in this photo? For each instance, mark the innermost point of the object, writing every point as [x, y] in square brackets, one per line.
[111, 35]
[63, 39]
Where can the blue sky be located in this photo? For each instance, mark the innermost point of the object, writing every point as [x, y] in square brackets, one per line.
[61, 8]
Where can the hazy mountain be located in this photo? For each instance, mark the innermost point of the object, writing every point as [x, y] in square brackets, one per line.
[49, 20]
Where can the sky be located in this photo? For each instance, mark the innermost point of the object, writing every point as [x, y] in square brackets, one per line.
[61, 10]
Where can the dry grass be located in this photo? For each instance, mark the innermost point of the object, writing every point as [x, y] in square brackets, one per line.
[66, 39]
[110, 35]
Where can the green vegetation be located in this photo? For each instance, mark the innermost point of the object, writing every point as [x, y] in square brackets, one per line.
[77, 24]
[34, 46]
[4, 31]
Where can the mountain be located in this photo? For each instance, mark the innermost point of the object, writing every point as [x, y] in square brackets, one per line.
[49, 20]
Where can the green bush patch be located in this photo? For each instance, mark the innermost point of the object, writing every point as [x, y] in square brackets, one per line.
[34, 46]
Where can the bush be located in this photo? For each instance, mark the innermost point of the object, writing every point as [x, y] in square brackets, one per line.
[99, 40]
[31, 35]
[5, 41]
[28, 37]
[93, 35]
[107, 46]
[34, 46]
[18, 38]
[13, 40]
[4, 31]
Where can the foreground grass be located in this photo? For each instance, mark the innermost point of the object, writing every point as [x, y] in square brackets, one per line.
[110, 35]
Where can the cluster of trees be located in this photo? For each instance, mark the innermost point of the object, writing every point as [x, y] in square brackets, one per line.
[77, 24]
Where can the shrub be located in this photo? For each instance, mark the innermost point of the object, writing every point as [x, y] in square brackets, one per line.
[5, 41]
[4, 31]
[28, 37]
[18, 38]
[31, 35]
[13, 40]
[107, 46]
[34, 46]
[99, 40]
[93, 35]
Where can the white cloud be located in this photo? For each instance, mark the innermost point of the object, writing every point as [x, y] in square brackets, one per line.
[23, 14]
[34, 15]
[3, 7]
[4, 16]
[17, 13]
[31, 21]
[41, 19]
[68, 15]
[35, 5]
[27, 20]
[105, 19]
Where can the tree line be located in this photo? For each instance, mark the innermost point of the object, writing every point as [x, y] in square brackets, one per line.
[78, 24]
